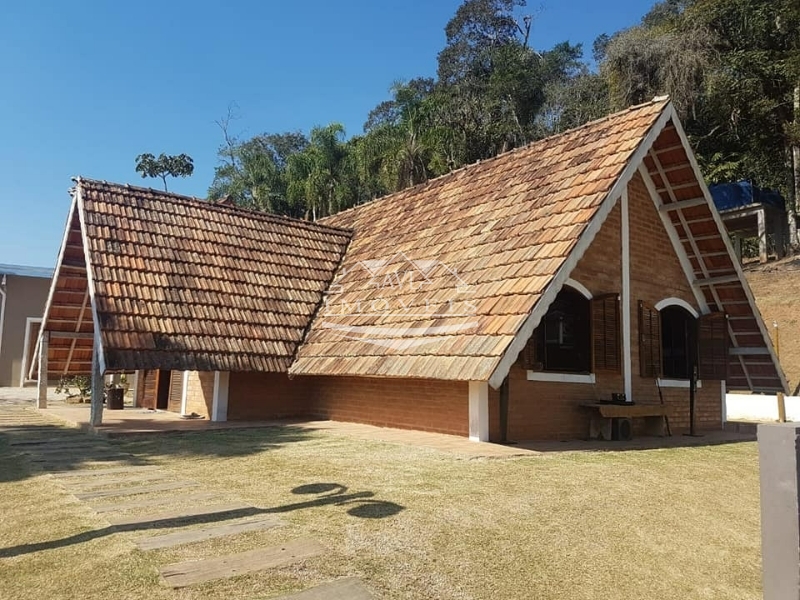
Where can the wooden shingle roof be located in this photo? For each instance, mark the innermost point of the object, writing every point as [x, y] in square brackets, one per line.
[487, 240]
[185, 284]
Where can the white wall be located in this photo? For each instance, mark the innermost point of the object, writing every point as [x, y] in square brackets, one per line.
[751, 407]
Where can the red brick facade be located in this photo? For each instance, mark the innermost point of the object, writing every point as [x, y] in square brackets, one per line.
[537, 410]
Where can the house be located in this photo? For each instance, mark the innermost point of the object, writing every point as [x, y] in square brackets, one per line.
[492, 302]
[23, 292]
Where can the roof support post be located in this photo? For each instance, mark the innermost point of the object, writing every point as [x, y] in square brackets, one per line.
[184, 391]
[627, 366]
[41, 385]
[137, 381]
[219, 404]
[96, 411]
[762, 236]
[479, 411]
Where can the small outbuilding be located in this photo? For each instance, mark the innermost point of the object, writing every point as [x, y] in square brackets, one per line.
[23, 293]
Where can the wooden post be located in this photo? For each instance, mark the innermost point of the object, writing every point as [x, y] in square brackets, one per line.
[781, 408]
[41, 398]
[762, 235]
[96, 411]
[737, 244]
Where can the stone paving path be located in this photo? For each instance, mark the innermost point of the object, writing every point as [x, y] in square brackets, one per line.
[110, 474]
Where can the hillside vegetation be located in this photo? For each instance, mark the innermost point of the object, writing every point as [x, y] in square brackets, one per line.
[776, 286]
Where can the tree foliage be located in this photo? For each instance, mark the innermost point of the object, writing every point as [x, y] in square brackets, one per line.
[166, 165]
[730, 66]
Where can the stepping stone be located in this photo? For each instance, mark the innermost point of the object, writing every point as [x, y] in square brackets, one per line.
[349, 588]
[145, 489]
[198, 571]
[226, 511]
[86, 486]
[200, 497]
[108, 471]
[207, 533]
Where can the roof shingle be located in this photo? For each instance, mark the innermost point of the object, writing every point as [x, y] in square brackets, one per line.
[185, 284]
[444, 274]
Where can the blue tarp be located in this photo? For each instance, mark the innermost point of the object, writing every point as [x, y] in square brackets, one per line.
[742, 193]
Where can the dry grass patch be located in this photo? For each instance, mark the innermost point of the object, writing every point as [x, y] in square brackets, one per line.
[416, 523]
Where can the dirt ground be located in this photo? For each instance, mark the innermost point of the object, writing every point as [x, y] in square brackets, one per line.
[776, 286]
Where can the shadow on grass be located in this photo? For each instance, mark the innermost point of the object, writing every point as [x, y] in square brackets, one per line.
[365, 507]
[27, 450]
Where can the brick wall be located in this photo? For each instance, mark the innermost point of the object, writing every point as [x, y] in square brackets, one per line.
[423, 404]
[655, 269]
[537, 410]
[547, 410]
[200, 393]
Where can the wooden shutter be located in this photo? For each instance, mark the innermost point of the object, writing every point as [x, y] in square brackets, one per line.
[712, 338]
[149, 389]
[649, 341]
[605, 333]
[175, 391]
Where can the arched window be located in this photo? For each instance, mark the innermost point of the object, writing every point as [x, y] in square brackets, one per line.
[678, 342]
[563, 339]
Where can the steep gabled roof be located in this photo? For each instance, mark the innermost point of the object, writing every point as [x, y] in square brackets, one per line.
[179, 283]
[445, 280]
[493, 236]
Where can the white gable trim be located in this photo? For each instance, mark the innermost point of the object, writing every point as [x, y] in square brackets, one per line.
[731, 253]
[525, 331]
[672, 301]
[53, 282]
[579, 287]
[98, 338]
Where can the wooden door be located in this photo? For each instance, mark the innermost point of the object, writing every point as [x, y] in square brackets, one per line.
[148, 390]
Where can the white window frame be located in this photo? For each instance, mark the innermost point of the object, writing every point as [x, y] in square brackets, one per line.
[661, 304]
[677, 383]
[561, 377]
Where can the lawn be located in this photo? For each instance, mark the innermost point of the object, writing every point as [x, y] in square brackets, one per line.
[415, 523]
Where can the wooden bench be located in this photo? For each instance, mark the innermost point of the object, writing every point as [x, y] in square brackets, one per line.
[602, 414]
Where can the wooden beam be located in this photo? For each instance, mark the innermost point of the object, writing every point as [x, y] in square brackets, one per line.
[96, 412]
[762, 351]
[717, 280]
[77, 329]
[681, 186]
[72, 335]
[681, 204]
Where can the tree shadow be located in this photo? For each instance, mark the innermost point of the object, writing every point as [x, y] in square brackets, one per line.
[336, 494]
[33, 449]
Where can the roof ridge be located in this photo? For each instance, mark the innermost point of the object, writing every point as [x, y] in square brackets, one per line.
[656, 100]
[210, 204]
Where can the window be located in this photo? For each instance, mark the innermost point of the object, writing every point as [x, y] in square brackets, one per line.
[673, 340]
[678, 342]
[562, 342]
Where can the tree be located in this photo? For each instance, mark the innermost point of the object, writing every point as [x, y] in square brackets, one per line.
[180, 165]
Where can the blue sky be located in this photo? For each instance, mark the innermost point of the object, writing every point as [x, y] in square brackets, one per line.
[89, 85]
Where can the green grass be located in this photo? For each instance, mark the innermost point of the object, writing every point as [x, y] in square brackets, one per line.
[677, 523]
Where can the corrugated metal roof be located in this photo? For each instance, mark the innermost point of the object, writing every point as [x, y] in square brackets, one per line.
[25, 271]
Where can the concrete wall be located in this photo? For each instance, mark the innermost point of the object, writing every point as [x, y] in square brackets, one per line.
[25, 297]
[757, 407]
